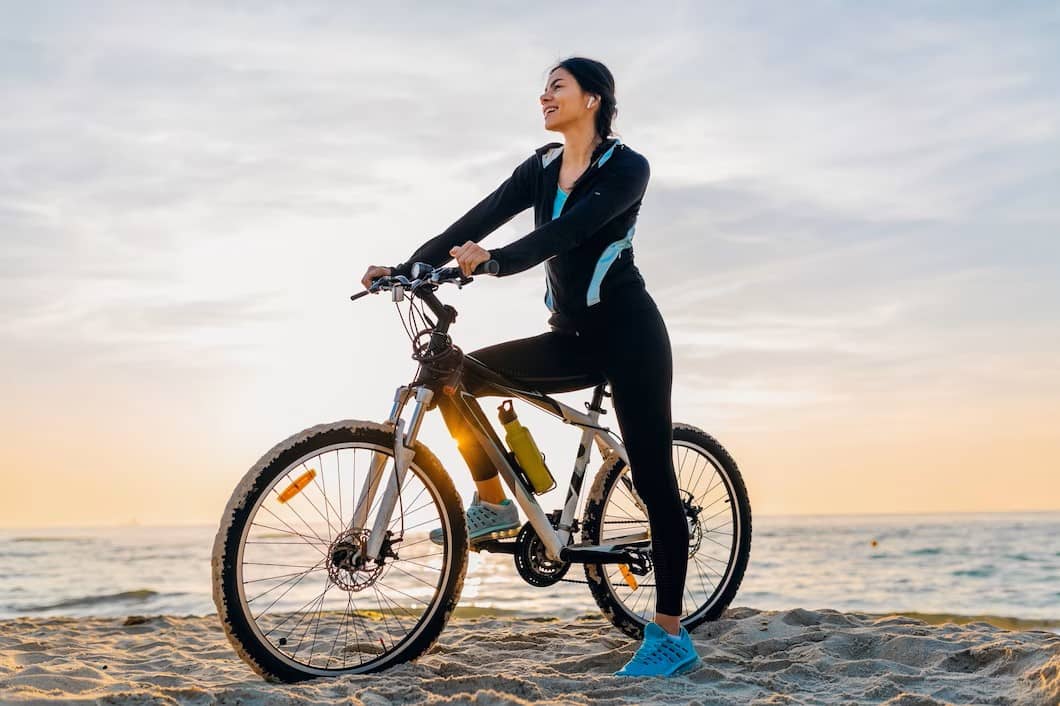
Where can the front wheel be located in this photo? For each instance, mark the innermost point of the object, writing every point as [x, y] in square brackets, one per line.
[718, 513]
[295, 596]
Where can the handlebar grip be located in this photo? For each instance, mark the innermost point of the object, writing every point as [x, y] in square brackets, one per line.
[489, 267]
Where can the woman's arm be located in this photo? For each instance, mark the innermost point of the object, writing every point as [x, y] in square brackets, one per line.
[611, 196]
[516, 194]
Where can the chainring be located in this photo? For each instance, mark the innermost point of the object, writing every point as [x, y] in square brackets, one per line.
[532, 562]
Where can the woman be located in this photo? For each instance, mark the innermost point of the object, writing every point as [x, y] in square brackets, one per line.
[586, 194]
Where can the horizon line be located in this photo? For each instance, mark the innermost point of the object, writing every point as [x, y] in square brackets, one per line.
[5, 528]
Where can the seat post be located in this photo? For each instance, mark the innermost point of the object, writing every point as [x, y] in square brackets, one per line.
[598, 397]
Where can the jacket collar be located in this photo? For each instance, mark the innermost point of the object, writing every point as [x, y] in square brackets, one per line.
[605, 149]
[600, 155]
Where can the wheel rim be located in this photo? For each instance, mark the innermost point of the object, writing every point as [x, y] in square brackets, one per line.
[714, 533]
[296, 576]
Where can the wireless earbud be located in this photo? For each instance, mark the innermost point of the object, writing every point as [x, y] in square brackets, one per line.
[589, 104]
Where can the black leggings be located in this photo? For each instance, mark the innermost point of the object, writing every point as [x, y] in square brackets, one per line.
[626, 340]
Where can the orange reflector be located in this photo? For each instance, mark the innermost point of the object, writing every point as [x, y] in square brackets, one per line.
[628, 576]
[299, 483]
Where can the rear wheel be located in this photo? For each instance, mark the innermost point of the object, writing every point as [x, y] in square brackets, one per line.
[296, 597]
[719, 516]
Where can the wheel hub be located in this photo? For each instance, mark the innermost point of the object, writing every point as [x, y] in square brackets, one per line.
[347, 567]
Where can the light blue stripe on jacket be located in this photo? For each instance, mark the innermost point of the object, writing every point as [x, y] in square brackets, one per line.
[607, 258]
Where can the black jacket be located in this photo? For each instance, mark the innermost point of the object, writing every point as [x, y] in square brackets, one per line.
[587, 250]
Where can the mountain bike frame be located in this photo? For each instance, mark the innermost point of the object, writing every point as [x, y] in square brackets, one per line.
[425, 390]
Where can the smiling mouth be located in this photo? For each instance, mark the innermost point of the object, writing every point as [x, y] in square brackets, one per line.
[550, 111]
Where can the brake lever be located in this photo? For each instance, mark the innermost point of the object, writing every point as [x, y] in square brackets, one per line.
[379, 281]
[434, 278]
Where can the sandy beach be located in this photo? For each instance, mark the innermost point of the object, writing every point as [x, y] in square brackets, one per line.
[750, 657]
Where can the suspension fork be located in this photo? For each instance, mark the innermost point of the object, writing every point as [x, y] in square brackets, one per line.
[404, 441]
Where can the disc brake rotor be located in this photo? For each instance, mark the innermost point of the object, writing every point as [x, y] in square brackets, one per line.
[347, 567]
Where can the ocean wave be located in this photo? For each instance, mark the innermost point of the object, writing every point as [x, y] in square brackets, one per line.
[981, 572]
[137, 596]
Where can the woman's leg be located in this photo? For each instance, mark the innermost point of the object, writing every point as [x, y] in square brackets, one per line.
[542, 360]
[640, 369]
[491, 489]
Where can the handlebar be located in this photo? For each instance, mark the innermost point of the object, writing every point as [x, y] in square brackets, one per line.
[427, 273]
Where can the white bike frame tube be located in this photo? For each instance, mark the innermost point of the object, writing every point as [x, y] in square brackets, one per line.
[554, 540]
[534, 513]
[577, 478]
[605, 442]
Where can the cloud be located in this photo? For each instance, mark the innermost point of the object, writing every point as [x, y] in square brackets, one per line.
[847, 202]
[792, 154]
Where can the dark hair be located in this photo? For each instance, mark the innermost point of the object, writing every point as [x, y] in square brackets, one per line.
[594, 77]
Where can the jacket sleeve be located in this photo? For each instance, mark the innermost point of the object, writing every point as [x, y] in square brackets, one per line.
[620, 189]
[513, 196]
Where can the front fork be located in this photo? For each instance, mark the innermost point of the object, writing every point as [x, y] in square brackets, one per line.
[404, 440]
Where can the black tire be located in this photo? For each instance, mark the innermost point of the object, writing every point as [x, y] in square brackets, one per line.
[269, 659]
[602, 586]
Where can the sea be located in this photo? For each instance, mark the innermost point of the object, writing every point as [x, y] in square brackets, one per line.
[998, 564]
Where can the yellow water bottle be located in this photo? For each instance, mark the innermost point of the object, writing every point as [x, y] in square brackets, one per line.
[525, 449]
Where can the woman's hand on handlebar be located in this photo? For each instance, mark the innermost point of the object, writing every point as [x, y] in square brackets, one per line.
[469, 256]
[374, 272]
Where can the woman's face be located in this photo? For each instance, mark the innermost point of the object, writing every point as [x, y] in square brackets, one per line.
[564, 103]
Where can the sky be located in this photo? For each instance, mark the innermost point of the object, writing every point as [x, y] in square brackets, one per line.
[850, 229]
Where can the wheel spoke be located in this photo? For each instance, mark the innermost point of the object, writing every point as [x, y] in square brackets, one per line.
[323, 487]
[285, 537]
[300, 576]
[308, 540]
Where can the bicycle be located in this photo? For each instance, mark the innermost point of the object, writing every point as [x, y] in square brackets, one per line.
[285, 542]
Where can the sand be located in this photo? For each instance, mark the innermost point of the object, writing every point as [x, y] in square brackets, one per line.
[750, 657]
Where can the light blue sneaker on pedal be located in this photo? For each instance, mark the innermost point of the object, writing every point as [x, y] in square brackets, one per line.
[660, 655]
[487, 521]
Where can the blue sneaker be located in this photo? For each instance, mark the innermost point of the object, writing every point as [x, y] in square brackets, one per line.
[660, 655]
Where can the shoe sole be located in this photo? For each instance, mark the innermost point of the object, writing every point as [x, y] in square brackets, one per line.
[690, 667]
[683, 669]
[496, 534]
